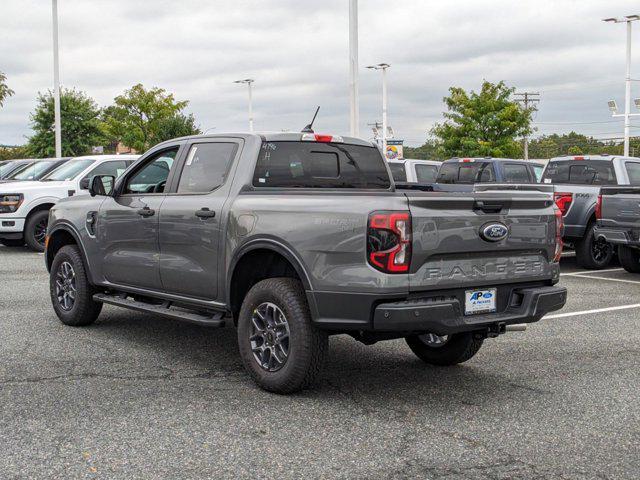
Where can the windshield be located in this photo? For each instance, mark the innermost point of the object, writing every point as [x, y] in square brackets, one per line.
[68, 171]
[6, 167]
[33, 171]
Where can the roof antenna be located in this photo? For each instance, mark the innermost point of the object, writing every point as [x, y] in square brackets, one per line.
[309, 128]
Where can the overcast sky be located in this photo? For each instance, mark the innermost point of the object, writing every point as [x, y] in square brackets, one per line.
[297, 51]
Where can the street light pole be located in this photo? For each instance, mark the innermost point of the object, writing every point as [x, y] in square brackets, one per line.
[627, 93]
[383, 67]
[354, 105]
[249, 81]
[56, 81]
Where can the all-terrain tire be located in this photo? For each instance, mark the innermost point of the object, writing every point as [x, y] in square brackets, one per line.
[591, 253]
[84, 310]
[33, 234]
[629, 258]
[307, 345]
[459, 348]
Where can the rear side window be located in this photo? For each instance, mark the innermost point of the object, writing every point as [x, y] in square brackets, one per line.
[316, 165]
[580, 172]
[633, 171]
[466, 172]
[515, 173]
[398, 171]
[426, 173]
[206, 167]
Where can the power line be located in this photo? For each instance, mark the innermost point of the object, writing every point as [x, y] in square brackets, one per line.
[526, 99]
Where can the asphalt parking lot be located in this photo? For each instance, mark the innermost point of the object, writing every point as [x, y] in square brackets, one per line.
[135, 396]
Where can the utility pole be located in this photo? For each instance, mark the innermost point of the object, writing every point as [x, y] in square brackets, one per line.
[528, 99]
[249, 81]
[354, 105]
[383, 67]
[627, 79]
[56, 81]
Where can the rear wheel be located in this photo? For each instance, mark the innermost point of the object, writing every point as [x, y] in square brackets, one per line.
[592, 253]
[280, 347]
[12, 242]
[71, 292]
[444, 350]
[629, 258]
[35, 230]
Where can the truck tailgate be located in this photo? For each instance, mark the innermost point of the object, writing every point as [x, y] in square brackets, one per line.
[620, 207]
[450, 249]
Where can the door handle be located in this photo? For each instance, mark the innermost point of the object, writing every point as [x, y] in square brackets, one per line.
[205, 213]
[146, 212]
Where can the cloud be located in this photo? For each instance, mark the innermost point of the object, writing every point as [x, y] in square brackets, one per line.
[298, 54]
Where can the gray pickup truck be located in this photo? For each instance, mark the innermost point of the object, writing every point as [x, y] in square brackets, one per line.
[578, 180]
[295, 237]
[618, 217]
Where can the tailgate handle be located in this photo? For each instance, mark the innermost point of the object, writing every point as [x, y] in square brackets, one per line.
[488, 207]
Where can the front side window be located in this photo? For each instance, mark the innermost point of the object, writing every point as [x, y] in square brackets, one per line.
[515, 173]
[152, 176]
[320, 165]
[206, 167]
[68, 171]
[398, 171]
[633, 171]
[426, 173]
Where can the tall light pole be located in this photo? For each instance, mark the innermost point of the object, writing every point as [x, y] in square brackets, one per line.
[249, 81]
[56, 81]
[354, 105]
[383, 67]
[627, 94]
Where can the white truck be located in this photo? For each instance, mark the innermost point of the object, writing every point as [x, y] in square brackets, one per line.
[24, 206]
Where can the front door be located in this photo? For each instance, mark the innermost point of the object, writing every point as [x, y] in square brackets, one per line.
[128, 223]
[191, 219]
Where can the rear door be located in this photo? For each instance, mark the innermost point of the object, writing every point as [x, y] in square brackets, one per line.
[448, 245]
[192, 219]
[128, 222]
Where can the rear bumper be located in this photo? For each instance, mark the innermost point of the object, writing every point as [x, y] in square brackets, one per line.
[440, 312]
[616, 236]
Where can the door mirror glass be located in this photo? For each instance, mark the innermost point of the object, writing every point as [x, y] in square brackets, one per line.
[102, 185]
[84, 184]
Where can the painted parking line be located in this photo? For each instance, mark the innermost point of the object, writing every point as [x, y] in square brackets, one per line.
[587, 312]
[621, 280]
[581, 273]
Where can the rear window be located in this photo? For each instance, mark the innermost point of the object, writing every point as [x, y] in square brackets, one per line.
[320, 165]
[580, 172]
[515, 173]
[426, 173]
[398, 171]
[466, 172]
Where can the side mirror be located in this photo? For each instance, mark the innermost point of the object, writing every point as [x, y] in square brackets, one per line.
[102, 185]
[84, 184]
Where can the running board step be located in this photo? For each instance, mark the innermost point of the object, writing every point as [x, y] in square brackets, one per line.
[165, 309]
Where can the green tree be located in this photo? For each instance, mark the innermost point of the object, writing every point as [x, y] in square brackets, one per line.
[481, 124]
[5, 91]
[430, 150]
[80, 119]
[10, 153]
[141, 118]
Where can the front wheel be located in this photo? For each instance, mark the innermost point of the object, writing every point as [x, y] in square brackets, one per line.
[629, 258]
[71, 292]
[279, 345]
[444, 350]
[593, 253]
[35, 230]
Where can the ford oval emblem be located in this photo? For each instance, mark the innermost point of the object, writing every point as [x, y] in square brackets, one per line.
[494, 232]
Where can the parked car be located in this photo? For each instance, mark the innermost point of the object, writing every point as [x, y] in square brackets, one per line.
[618, 219]
[460, 174]
[10, 166]
[299, 236]
[577, 180]
[414, 171]
[24, 206]
[35, 170]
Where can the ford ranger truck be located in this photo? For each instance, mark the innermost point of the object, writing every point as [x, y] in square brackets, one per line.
[295, 237]
[578, 180]
[618, 216]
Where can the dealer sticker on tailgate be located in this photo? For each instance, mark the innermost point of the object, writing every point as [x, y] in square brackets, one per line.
[479, 301]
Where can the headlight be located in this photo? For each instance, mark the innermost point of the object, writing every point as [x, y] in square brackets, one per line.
[10, 202]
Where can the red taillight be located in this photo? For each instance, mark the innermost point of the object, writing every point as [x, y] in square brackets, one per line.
[389, 241]
[316, 137]
[559, 232]
[599, 208]
[563, 201]
[578, 158]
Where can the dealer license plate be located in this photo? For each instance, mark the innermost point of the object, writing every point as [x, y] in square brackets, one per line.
[480, 301]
